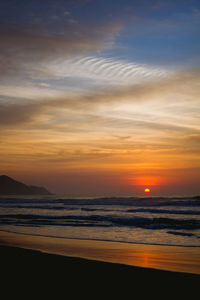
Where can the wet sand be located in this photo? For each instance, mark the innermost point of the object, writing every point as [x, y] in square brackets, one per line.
[179, 259]
[33, 266]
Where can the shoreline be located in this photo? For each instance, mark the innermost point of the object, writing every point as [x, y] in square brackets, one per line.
[98, 240]
[158, 257]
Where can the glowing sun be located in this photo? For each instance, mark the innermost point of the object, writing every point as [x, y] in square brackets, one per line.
[147, 190]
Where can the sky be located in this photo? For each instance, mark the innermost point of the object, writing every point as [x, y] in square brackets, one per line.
[101, 98]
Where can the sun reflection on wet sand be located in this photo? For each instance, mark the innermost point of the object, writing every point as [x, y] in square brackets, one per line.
[164, 257]
[146, 259]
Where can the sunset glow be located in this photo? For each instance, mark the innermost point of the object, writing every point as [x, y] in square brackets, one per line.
[101, 99]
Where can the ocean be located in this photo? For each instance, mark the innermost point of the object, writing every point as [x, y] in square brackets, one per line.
[155, 221]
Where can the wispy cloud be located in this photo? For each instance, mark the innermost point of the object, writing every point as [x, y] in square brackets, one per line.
[108, 70]
[184, 84]
[104, 102]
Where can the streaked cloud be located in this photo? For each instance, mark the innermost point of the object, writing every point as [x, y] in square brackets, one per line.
[146, 99]
[108, 70]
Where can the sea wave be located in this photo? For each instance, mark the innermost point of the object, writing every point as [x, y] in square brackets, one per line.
[121, 201]
[159, 220]
[99, 220]
[164, 211]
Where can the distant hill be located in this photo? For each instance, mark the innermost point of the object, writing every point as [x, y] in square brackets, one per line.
[9, 186]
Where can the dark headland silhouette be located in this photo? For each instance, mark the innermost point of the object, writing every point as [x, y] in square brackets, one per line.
[9, 186]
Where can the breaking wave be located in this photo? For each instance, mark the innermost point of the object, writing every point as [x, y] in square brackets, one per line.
[159, 220]
[98, 220]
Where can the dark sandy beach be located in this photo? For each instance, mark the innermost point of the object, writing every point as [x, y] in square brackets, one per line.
[28, 272]
[34, 270]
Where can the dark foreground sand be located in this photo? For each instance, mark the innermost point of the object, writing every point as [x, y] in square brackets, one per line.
[30, 273]
[46, 267]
